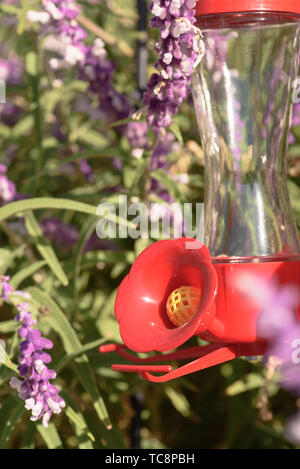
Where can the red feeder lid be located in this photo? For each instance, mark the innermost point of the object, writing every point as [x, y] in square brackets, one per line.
[210, 7]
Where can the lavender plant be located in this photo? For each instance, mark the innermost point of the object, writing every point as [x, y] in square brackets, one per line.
[40, 396]
[180, 48]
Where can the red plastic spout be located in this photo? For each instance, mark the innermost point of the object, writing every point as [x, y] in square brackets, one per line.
[140, 306]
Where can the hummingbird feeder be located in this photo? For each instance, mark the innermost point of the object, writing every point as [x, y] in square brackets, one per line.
[180, 288]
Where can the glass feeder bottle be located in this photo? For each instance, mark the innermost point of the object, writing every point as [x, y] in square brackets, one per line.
[243, 91]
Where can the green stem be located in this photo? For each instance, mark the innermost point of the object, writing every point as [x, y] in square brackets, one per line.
[9, 364]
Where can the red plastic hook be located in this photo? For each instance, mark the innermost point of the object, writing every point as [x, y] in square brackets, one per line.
[207, 356]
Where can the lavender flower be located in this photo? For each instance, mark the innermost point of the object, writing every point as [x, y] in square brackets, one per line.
[97, 71]
[40, 396]
[86, 170]
[163, 147]
[11, 71]
[65, 235]
[278, 324]
[136, 133]
[6, 288]
[180, 48]
[296, 114]
[62, 235]
[7, 187]
[95, 244]
[68, 37]
[8, 20]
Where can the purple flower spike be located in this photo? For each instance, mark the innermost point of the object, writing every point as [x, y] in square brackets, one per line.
[40, 396]
[6, 288]
[180, 48]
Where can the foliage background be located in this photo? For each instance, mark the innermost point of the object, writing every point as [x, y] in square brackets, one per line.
[229, 406]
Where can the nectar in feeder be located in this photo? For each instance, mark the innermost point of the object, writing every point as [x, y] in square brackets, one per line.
[182, 304]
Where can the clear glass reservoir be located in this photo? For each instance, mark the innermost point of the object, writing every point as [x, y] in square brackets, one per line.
[243, 98]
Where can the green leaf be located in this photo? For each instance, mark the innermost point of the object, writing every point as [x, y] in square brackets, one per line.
[85, 437]
[58, 321]
[23, 126]
[85, 233]
[108, 307]
[44, 247]
[91, 137]
[92, 258]
[5, 131]
[7, 256]
[179, 401]
[175, 129]
[125, 121]
[28, 436]
[44, 203]
[132, 176]
[105, 438]
[106, 322]
[50, 436]
[22, 16]
[102, 152]
[10, 9]
[85, 348]
[171, 186]
[4, 358]
[118, 269]
[249, 381]
[109, 328]
[294, 191]
[52, 203]
[140, 245]
[50, 99]
[5, 374]
[5, 260]
[23, 274]
[294, 151]
[8, 326]
[80, 425]
[10, 413]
